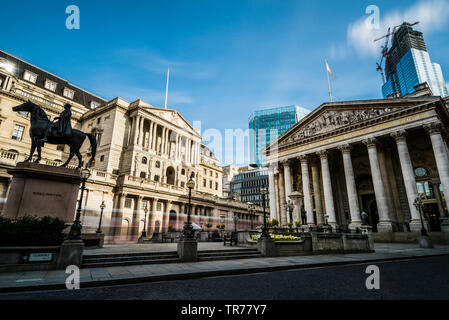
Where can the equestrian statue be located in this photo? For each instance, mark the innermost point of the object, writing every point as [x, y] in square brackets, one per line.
[43, 131]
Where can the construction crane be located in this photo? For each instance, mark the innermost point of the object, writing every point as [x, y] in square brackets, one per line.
[385, 51]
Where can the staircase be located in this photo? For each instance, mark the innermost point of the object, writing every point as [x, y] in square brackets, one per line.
[129, 259]
[228, 254]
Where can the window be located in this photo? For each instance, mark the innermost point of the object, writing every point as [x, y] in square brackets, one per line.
[23, 114]
[102, 158]
[60, 147]
[183, 184]
[50, 85]
[144, 160]
[68, 93]
[18, 132]
[156, 178]
[210, 173]
[216, 185]
[143, 175]
[94, 104]
[29, 76]
[99, 120]
[157, 164]
[128, 203]
[183, 172]
[204, 183]
[159, 206]
[421, 172]
[210, 184]
[216, 174]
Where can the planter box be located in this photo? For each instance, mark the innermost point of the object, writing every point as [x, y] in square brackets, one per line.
[28, 258]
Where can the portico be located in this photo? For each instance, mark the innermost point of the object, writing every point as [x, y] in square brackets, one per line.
[375, 156]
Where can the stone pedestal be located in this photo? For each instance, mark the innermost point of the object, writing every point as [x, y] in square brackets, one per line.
[71, 253]
[267, 247]
[415, 225]
[188, 250]
[385, 226]
[425, 242]
[41, 190]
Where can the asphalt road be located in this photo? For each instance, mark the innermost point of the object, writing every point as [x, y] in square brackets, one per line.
[426, 278]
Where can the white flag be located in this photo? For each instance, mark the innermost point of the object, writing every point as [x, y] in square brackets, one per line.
[329, 70]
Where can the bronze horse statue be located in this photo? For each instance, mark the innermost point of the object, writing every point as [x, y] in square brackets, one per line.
[40, 122]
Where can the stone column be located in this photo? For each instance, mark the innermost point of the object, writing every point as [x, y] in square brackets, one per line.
[117, 223]
[154, 138]
[408, 175]
[436, 191]
[136, 218]
[385, 224]
[135, 129]
[306, 190]
[442, 160]
[152, 214]
[327, 185]
[272, 192]
[317, 192]
[282, 214]
[287, 180]
[150, 135]
[351, 187]
[162, 141]
[140, 142]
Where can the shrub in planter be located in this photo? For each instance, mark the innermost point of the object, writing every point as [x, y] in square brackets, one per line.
[31, 231]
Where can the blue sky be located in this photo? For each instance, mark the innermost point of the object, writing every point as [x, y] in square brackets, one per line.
[227, 58]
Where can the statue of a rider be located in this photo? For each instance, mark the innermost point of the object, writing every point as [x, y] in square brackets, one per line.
[63, 126]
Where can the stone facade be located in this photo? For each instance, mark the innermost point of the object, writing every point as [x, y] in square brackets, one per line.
[374, 156]
[145, 156]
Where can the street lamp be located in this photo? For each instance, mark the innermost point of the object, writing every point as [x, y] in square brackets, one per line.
[425, 241]
[290, 206]
[236, 219]
[252, 213]
[144, 231]
[188, 228]
[75, 229]
[264, 192]
[102, 206]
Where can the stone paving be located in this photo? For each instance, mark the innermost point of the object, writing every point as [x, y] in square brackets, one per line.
[55, 279]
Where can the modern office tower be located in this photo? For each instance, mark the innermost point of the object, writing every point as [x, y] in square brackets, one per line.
[408, 64]
[267, 124]
[246, 185]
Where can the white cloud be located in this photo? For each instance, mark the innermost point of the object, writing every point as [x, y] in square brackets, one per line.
[432, 15]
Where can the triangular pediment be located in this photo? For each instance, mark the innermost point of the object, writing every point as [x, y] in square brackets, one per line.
[333, 116]
[174, 117]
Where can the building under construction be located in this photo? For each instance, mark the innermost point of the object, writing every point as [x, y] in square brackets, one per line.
[407, 63]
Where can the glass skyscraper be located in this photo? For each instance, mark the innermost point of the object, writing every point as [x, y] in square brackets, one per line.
[408, 64]
[267, 124]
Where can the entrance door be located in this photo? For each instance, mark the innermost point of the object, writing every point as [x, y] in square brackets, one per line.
[369, 205]
[432, 216]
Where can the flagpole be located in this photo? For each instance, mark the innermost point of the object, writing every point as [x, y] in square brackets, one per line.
[328, 81]
[166, 88]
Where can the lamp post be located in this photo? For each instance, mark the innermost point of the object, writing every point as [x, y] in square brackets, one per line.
[424, 241]
[264, 192]
[75, 229]
[188, 228]
[252, 213]
[290, 206]
[144, 231]
[102, 206]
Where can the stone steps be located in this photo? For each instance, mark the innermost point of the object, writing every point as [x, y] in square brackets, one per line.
[128, 259]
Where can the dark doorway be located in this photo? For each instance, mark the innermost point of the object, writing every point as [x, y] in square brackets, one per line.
[432, 216]
[369, 205]
[170, 175]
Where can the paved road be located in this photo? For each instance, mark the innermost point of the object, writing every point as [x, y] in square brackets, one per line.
[426, 278]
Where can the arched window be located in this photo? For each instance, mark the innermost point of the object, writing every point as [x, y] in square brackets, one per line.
[183, 172]
[157, 164]
[144, 160]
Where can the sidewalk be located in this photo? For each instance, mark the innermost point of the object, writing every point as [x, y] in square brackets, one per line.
[55, 279]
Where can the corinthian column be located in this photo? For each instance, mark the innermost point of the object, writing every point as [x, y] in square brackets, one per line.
[409, 177]
[350, 186]
[441, 157]
[327, 186]
[306, 190]
[272, 192]
[317, 192]
[385, 223]
[287, 180]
